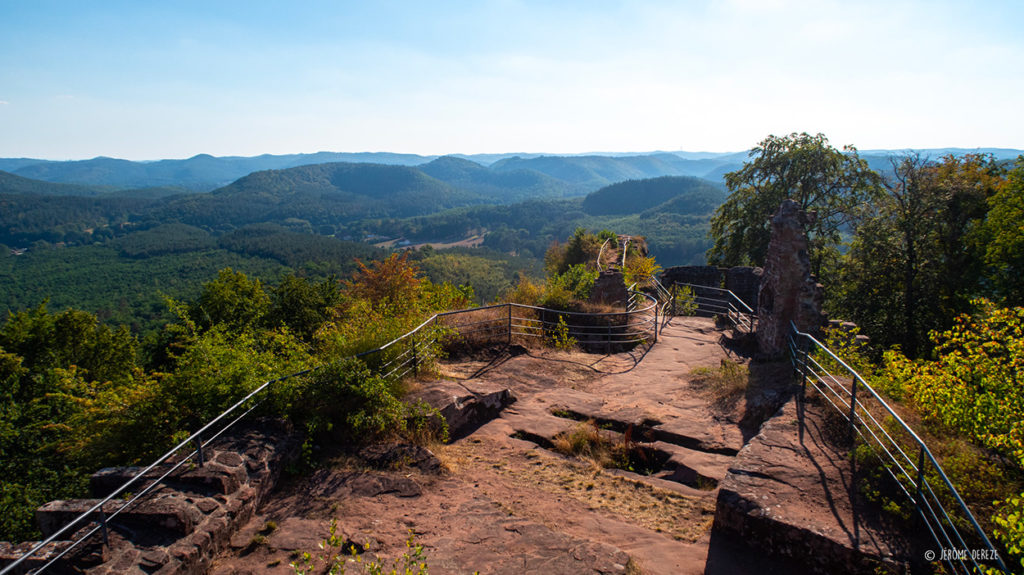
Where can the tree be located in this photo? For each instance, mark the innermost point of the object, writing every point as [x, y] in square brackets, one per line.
[1003, 235]
[304, 306]
[914, 262]
[800, 167]
[393, 283]
[232, 299]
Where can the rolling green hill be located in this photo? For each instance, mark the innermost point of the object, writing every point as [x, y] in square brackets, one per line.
[25, 218]
[321, 194]
[585, 174]
[497, 186]
[200, 173]
[673, 213]
[15, 184]
[634, 196]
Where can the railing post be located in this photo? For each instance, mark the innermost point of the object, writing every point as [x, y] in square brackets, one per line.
[655, 324]
[509, 323]
[919, 494]
[608, 338]
[103, 527]
[853, 409]
[415, 357]
[803, 368]
[199, 450]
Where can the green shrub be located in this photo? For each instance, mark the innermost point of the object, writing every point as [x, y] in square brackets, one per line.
[684, 301]
[560, 338]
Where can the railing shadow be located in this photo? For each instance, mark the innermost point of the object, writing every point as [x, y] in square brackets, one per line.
[875, 430]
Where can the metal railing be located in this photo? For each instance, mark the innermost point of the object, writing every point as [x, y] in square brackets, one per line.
[592, 331]
[667, 301]
[962, 544]
[722, 302]
[398, 358]
[600, 256]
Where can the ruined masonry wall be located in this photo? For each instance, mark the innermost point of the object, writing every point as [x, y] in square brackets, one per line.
[181, 525]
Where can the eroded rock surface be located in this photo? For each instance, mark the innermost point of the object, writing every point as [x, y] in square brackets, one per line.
[791, 493]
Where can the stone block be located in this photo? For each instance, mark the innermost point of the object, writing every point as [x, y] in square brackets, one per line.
[213, 477]
[55, 515]
[745, 282]
[109, 479]
[710, 276]
[609, 289]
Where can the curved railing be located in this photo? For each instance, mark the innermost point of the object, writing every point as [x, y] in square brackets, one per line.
[962, 544]
[502, 323]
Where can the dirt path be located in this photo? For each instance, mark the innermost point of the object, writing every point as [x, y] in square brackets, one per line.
[507, 503]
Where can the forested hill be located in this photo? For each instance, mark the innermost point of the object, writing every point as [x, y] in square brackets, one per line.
[201, 173]
[695, 195]
[501, 186]
[321, 194]
[579, 174]
[585, 174]
[15, 184]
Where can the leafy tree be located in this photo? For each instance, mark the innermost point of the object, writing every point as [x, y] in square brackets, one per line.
[232, 300]
[577, 281]
[49, 363]
[640, 269]
[1004, 236]
[914, 262]
[46, 341]
[581, 249]
[303, 305]
[391, 284]
[801, 167]
[973, 389]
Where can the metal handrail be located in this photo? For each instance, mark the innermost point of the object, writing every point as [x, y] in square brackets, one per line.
[600, 254]
[410, 363]
[728, 304]
[941, 526]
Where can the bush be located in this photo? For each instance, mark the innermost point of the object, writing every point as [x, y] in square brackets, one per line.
[577, 282]
[684, 301]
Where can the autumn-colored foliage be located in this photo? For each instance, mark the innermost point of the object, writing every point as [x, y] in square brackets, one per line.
[391, 283]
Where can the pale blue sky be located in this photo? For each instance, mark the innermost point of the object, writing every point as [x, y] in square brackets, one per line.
[148, 80]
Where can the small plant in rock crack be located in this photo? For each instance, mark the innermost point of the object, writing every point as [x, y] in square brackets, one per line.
[336, 555]
[560, 337]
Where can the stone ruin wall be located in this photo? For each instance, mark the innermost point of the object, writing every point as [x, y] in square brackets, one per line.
[744, 281]
[789, 293]
[180, 526]
[609, 289]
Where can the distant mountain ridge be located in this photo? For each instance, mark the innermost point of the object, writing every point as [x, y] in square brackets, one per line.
[203, 172]
[506, 177]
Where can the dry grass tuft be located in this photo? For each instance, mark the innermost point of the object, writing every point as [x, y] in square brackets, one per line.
[588, 442]
[725, 384]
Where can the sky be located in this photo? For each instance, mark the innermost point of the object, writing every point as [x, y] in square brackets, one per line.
[150, 80]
